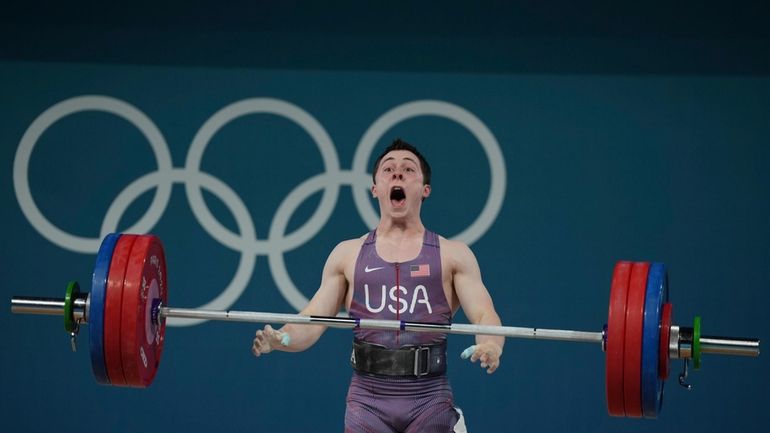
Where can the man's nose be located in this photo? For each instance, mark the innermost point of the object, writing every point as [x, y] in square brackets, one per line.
[398, 175]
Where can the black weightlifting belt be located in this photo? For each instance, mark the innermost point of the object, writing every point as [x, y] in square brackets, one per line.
[410, 361]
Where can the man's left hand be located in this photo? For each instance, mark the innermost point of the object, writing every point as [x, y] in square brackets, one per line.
[488, 353]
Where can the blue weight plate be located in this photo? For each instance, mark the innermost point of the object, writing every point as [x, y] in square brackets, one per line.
[652, 385]
[96, 308]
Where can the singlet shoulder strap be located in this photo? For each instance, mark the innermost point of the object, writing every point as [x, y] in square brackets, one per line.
[371, 237]
[431, 239]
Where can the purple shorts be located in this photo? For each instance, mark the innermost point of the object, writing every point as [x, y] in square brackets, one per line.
[391, 405]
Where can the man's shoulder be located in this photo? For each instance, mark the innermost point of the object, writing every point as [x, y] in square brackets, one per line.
[450, 244]
[454, 253]
[350, 244]
[344, 254]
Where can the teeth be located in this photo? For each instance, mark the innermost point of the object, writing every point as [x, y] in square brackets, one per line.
[397, 193]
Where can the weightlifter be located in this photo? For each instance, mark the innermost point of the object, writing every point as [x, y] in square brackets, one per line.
[402, 271]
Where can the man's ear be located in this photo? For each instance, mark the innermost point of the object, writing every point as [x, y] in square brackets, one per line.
[425, 191]
[374, 190]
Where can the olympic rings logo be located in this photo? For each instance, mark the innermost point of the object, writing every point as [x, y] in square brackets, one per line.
[246, 241]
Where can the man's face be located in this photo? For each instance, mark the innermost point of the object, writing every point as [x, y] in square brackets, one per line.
[399, 182]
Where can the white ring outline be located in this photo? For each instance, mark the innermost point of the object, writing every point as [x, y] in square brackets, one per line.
[276, 257]
[191, 176]
[55, 113]
[232, 200]
[453, 112]
[257, 106]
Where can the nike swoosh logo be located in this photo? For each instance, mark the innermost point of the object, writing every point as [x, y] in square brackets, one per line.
[367, 269]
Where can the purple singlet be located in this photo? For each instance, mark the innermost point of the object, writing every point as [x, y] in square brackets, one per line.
[410, 291]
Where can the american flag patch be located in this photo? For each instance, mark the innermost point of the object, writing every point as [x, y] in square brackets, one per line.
[419, 270]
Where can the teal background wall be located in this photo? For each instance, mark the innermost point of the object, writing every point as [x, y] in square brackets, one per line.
[625, 134]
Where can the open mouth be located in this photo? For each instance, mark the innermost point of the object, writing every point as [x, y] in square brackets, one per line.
[397, 196]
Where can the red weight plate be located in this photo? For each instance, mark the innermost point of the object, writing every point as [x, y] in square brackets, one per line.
[144, 284]
[616, 335]
[113, 305]
[632, 355]
[665, 332]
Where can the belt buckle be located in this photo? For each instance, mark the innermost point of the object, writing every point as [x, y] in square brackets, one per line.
[417, 358]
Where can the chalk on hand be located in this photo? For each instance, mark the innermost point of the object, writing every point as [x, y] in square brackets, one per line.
[468, 352]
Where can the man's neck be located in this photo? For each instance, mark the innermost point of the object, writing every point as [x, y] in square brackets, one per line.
[395, 229]
[399, 242]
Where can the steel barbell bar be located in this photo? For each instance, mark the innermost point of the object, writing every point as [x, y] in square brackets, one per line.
[709, 344]
[126, 312]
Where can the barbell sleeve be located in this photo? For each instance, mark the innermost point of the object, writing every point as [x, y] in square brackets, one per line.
[49, 306]
[729, 346]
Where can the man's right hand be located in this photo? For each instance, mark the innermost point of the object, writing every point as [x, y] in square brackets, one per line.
[268, 339]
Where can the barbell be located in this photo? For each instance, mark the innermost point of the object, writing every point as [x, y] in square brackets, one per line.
[127, 307]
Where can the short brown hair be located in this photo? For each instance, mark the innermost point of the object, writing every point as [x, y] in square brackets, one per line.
[399, 144]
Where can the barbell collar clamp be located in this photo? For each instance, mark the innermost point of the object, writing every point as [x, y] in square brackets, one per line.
[683, 376]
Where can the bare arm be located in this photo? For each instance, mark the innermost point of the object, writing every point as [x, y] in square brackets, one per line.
[476, 303]
[327, 301]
